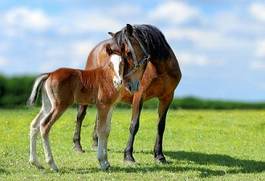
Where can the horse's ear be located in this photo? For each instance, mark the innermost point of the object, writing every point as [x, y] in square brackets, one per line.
[129, 29]
[108, 49]
[111, 34]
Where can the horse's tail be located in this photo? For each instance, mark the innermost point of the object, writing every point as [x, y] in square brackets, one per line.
[36, 88]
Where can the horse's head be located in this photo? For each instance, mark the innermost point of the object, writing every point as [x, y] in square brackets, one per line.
[134, 56]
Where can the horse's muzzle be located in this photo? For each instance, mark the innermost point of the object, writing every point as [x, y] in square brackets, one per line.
[133, 86]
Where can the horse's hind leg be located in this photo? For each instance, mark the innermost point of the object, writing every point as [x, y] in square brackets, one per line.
[34, 130]
[79, 120]
[164, 104]
[45, 127]
[54, 109]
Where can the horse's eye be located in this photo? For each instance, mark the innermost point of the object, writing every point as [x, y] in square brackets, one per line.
[129, 54]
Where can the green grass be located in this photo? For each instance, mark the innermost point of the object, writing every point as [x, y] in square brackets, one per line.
[199, 145]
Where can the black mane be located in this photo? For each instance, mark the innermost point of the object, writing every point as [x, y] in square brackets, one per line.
[152, 39]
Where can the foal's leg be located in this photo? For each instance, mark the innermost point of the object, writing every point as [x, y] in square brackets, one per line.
[136, 111]
[34, 130]
[103, 129]
[164, 104]
[79, 120]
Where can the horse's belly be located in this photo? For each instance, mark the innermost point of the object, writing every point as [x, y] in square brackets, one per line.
[85, 97]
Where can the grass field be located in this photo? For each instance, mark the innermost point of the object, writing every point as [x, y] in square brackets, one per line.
[199, 145]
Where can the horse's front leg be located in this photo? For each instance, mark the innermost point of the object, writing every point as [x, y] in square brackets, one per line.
[164, 104]
[104, 114]
[94, 135]
[136, 111]
[79, 120]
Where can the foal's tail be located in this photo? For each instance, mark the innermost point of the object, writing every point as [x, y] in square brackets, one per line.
[36, 88]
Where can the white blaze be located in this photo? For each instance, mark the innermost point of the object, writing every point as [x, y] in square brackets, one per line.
[116, 60]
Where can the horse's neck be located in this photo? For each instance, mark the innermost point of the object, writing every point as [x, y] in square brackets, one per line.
[98, 57]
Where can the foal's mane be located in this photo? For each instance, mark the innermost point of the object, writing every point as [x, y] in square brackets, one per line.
[151, 37]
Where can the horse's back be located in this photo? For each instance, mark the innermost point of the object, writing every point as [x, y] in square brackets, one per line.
[64, 74]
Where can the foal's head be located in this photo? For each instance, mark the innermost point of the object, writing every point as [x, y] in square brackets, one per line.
[116, 65]
[134, 55]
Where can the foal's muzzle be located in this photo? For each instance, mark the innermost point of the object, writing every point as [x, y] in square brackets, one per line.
[133, 86]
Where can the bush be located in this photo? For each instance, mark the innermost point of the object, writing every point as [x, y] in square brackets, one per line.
[14, 91]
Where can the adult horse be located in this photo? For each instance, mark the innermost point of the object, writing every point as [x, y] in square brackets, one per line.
[143, 45]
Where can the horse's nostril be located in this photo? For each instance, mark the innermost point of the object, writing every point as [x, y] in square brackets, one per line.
[129, 87]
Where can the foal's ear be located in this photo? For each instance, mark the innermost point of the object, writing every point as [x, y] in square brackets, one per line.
[129, 29]
[108, 49]
[111, 34]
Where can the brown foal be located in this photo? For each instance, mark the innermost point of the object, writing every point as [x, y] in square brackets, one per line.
[65, 86]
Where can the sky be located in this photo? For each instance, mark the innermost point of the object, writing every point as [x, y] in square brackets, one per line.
[220, 45]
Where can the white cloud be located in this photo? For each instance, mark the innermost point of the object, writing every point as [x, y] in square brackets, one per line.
[258, 11]
[206, 39]
[84, 22]
[17, 20]
[174, 12]
[23, 18]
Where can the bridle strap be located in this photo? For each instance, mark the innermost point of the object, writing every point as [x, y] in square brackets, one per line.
[141, 45]
[132, 50]
[136, 63]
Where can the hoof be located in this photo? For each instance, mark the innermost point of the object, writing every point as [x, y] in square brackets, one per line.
[104, 165]
[78, 148]
[160, 159]
[129, 158]
[54, 168]
[36, 164]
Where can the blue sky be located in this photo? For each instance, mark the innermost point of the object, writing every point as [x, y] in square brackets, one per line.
[220, 44]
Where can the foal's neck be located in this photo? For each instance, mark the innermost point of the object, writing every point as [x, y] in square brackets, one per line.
[101, 77]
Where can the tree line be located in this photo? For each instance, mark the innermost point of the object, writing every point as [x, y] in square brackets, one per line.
[15, 90]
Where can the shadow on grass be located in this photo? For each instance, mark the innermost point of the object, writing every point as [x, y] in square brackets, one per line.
[203, 172]
[243, 166]
[200, 163]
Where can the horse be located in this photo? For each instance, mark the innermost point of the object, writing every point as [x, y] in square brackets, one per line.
[63, 87]
[144, 44]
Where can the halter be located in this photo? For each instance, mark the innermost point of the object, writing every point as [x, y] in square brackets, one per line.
[136, 64]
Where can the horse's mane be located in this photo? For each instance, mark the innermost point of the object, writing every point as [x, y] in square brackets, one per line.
[151, 37]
